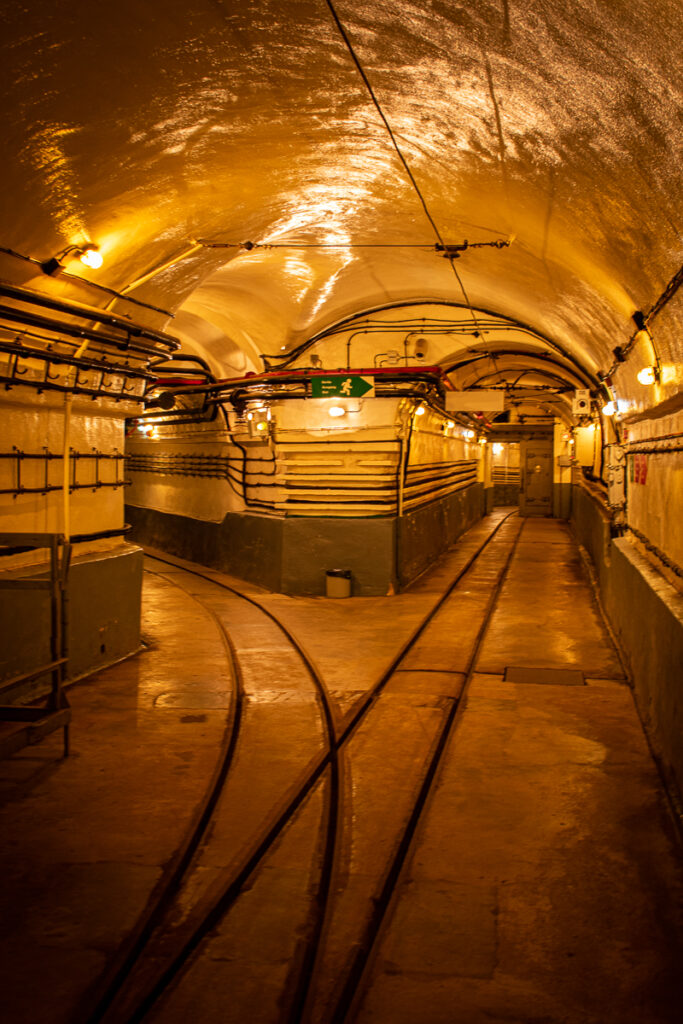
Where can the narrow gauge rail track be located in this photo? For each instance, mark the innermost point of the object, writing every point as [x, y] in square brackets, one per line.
[115, 1003]
[110, 999]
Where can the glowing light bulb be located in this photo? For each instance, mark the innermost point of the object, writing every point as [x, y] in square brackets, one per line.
[336, 410]
[609, 409]
[420, 411]
[450, 424]
[648, 375]
[91, 257]
[497, 449]
[262, 425]
[469, 434]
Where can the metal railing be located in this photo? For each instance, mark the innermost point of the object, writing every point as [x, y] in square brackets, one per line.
[34, 723]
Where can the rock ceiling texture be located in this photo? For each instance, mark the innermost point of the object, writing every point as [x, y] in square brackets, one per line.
[149, 127]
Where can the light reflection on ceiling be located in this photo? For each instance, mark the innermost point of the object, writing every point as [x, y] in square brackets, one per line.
[555, 125]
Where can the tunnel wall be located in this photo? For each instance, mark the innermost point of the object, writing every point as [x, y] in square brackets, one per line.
[292, 555]
[105, 575]
[426, 533]
[505, 494]
[646, 614]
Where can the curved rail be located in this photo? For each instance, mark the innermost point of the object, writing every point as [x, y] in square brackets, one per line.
[169, 885]
[209, 912]
[175, 870]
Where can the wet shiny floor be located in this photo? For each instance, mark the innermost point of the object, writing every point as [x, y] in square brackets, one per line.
[544, 882]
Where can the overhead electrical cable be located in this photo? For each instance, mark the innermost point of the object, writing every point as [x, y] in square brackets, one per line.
[404, 162]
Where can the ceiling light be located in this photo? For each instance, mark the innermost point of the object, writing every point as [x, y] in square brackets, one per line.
[609, 409]
[450, 424]
[420, 411]
[336, 410]
[469, 434]
[497, 449]
[648, 375]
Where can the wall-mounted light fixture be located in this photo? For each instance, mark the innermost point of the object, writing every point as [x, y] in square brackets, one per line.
[420, 411]
[648, 375]
[89, 254]
[259, 420]
[336, 410]
[609, 409]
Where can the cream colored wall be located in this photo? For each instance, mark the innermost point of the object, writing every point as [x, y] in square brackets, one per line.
[303, 446]
[202, 498]
[33, 423]
[655, 506]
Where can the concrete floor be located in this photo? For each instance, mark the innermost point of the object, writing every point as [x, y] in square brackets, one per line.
[544, 883]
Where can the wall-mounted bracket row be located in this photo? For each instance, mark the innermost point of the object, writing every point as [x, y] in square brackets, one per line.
[655, 445]
[50, 370]
[40, 462]
[50, 344]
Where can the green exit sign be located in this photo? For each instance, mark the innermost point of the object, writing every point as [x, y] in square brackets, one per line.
[340, 385]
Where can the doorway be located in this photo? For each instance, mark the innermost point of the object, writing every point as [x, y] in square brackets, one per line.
[536, 495]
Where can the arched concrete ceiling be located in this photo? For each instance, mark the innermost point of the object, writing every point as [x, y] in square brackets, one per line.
[554, 125]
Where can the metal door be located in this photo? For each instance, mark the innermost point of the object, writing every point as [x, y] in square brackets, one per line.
[536, 498]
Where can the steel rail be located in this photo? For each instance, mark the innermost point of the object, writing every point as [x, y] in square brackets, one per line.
[217, 905]
[358, 971]
[168, 889]
[114, 977]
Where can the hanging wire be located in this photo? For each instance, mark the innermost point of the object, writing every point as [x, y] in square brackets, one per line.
[404, 162]
[449, 250]
[371, 92]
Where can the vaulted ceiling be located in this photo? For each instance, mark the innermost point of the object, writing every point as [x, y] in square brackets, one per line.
[172, 133]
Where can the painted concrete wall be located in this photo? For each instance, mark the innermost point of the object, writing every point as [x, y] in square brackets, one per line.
[34, 425]
[105, 574]
[646, 614]
[424, 534]
[103, 616]
[654, 482]
[365, 546]
[292, 555]
[246, 546]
